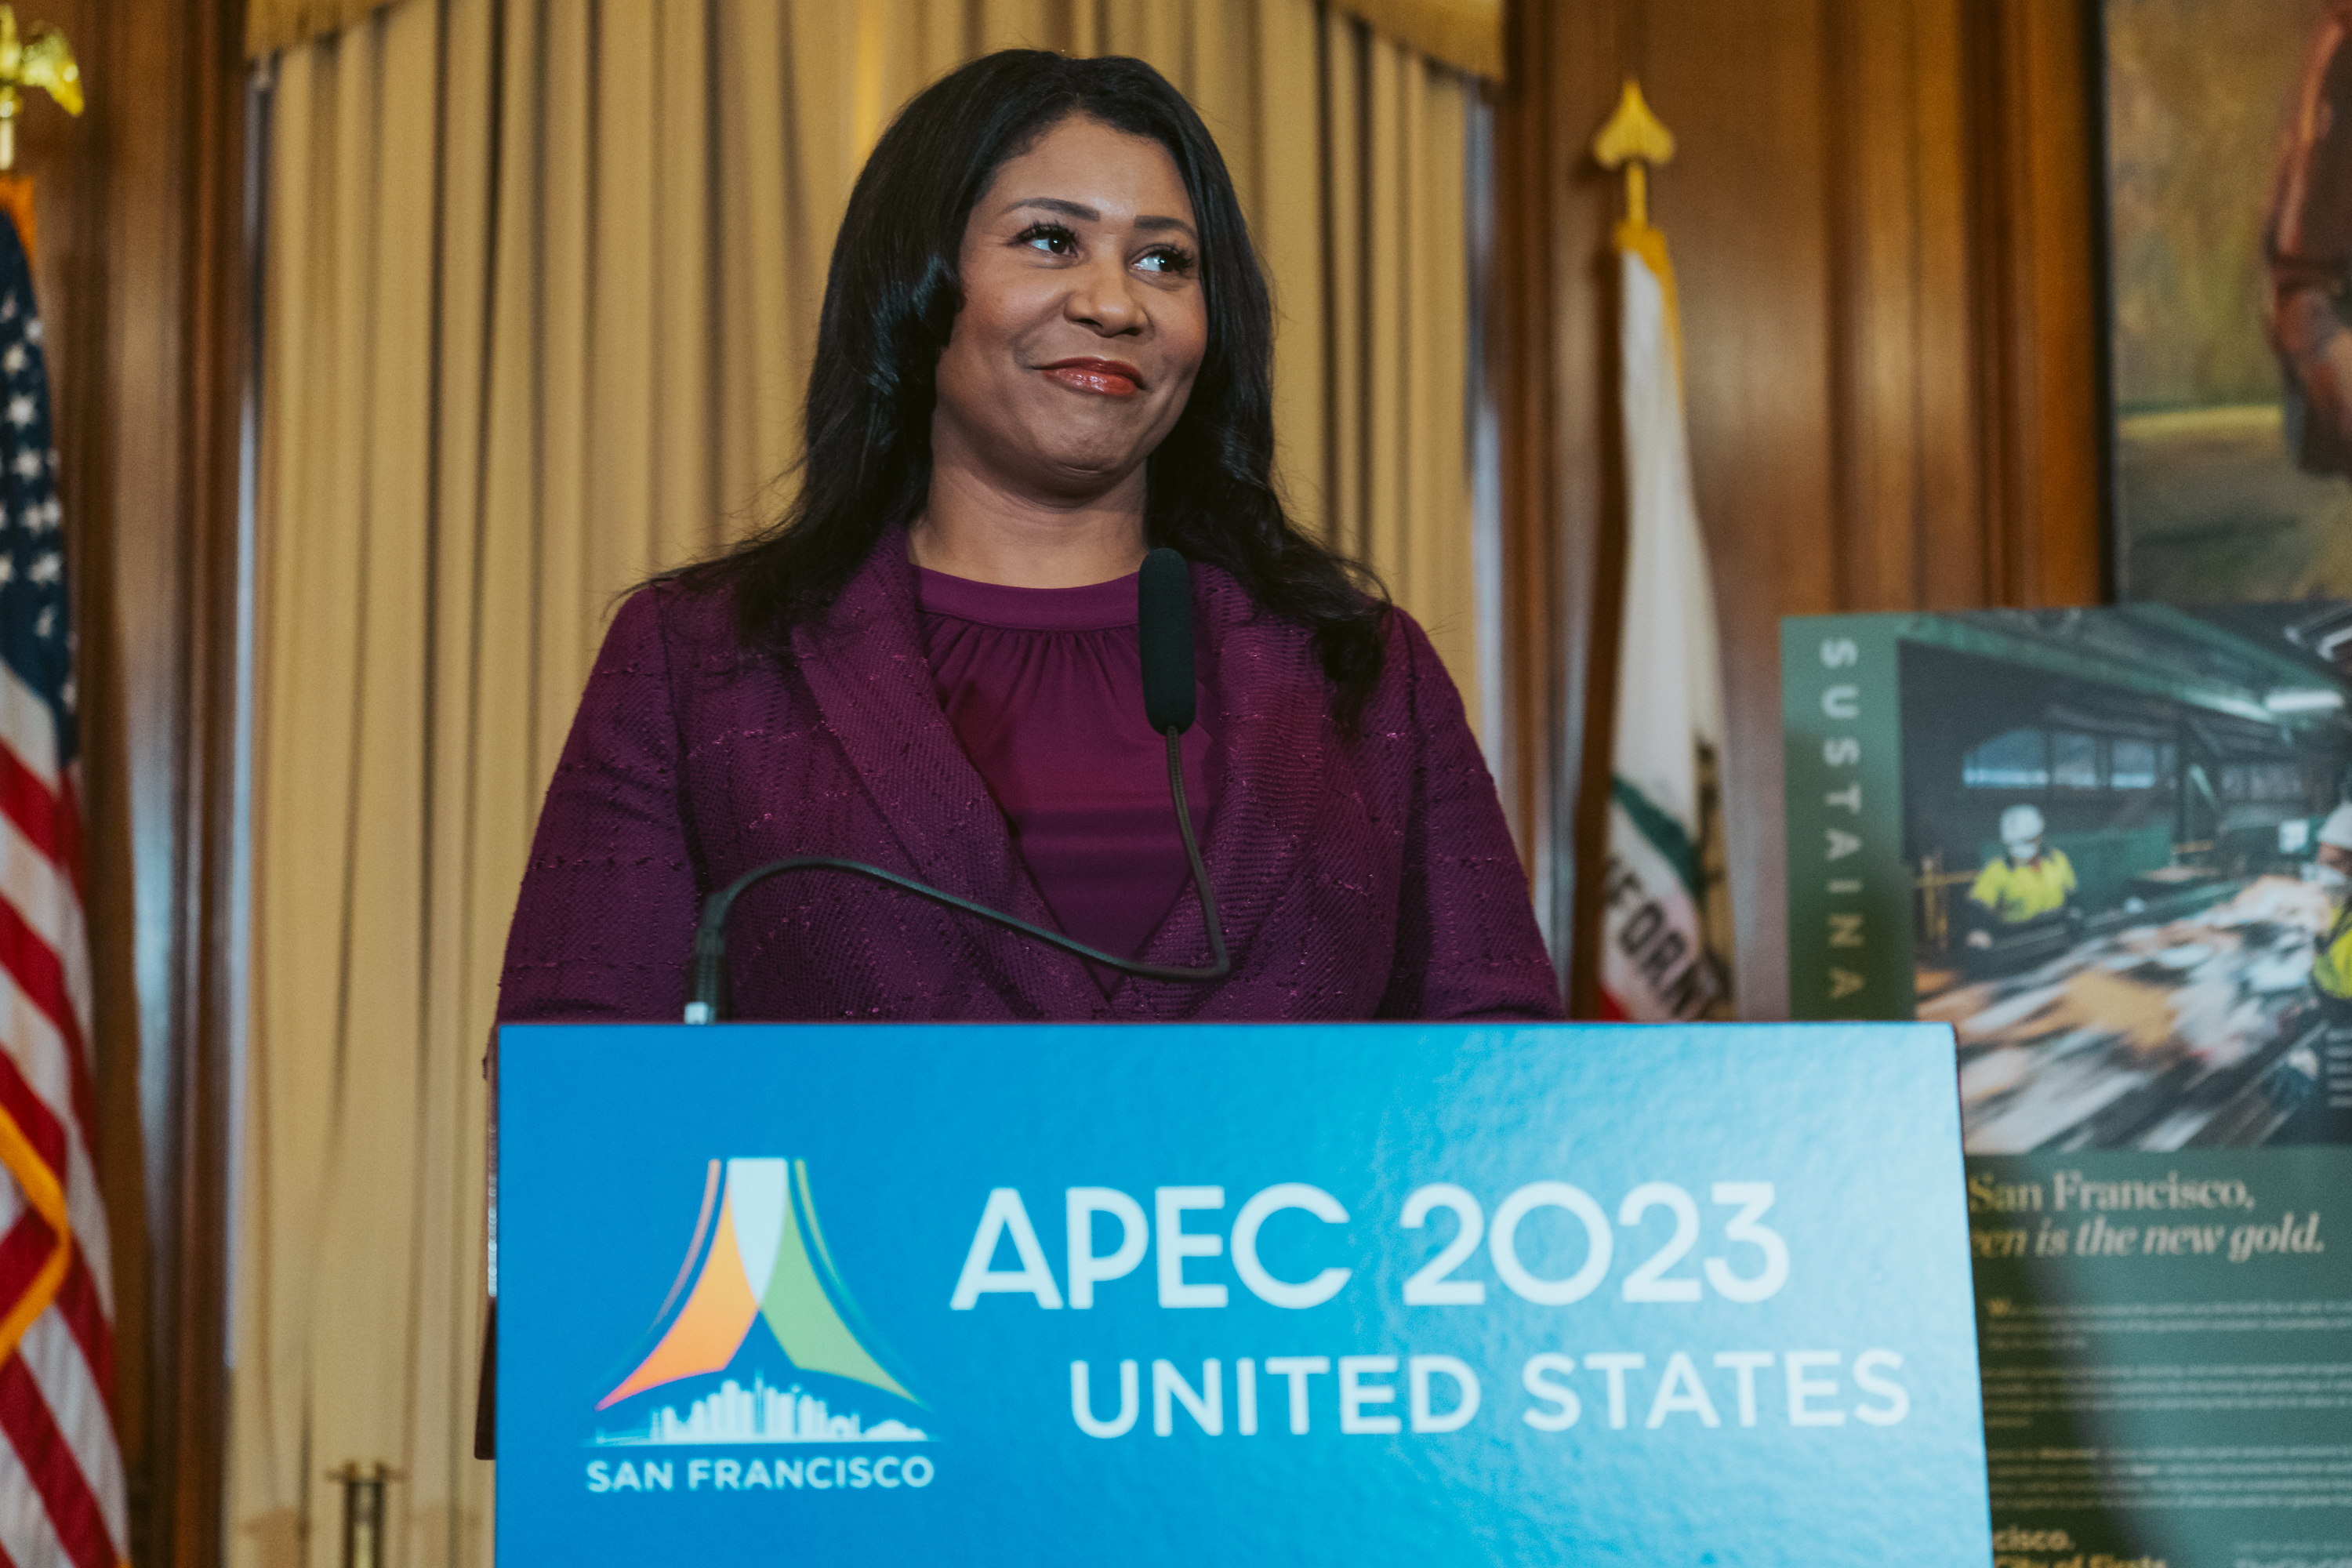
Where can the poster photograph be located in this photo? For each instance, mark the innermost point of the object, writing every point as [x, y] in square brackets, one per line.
[2107, 846]
[2229, 175]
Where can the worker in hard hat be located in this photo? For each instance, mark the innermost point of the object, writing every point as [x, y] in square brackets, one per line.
[2028, 886]
[2327, 1117]
[2332, 866]
[2331, 966]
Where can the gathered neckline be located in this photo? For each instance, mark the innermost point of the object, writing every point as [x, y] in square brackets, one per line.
[1096, 606]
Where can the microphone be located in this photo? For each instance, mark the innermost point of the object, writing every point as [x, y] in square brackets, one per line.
[1164, 628]
[1164, 634]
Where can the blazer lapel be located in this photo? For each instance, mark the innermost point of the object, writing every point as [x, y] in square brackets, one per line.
[865, 666]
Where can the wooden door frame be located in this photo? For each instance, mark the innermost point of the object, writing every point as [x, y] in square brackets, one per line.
[145, 276]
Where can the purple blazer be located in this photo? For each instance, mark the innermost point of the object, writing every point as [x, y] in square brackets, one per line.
[1360, 878]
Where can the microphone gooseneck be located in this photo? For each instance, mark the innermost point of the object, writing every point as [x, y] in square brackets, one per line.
[1164, 633]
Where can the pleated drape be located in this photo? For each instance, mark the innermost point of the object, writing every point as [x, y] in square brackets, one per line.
[1465, 33]
[541, 287]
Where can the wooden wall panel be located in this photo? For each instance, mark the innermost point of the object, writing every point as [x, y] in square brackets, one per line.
[2037, 190]
[1880, 220]
[141, 274]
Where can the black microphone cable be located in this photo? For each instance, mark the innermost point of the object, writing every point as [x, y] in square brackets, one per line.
[1164, 633]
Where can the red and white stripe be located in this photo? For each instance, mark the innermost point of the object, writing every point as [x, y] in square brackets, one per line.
[61, 1482]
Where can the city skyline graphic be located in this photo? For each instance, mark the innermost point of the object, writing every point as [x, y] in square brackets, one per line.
[759, 1414]
[757, 1255]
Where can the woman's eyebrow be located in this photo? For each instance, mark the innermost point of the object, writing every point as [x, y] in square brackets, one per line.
[1086, 214]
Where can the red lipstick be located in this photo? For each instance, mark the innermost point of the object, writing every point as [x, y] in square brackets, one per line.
[1105, 378]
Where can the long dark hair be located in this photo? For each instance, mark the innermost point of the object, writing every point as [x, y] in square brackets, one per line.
[890, 299]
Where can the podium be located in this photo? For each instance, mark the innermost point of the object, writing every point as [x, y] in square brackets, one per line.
[1367, 1294]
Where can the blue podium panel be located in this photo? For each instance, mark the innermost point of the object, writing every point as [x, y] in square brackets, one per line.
[1395, 1294]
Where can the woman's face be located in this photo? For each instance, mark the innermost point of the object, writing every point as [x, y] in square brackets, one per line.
[1083, 321]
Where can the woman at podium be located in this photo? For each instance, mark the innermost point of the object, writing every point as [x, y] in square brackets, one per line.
[1045, 347]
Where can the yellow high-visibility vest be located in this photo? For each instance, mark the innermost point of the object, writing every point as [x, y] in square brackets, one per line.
[2331, 967]
[2016, 893]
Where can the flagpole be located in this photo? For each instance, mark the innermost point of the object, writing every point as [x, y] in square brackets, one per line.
[1634, 139]
[1664, 940]
[42, 58]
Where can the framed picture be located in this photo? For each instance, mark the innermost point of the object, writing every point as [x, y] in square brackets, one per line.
[2228, 148]
[2107, 846]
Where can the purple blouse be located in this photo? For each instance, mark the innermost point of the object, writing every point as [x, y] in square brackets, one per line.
[1044, 688]
[1363, 872]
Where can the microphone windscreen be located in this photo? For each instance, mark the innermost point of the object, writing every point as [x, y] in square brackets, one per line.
[1164, 613]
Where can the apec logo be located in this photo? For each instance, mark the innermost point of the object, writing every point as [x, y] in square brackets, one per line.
[812, 1381]
[1552, 1244]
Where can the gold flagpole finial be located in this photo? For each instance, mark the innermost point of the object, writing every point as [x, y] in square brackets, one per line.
[43, 60]
[1634, 140]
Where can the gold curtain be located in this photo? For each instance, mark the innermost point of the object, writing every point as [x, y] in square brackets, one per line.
[1468, 34]
[542, 285]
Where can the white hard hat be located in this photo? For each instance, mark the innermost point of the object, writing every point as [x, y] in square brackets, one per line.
[2020, 825]
[2337, 829]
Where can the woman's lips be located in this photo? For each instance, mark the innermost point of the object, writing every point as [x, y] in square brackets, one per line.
[1106, 377]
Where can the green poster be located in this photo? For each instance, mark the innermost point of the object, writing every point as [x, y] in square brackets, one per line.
[2108, 848]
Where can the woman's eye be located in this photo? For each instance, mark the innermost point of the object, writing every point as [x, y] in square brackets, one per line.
[1173, 263]
[1050, 237]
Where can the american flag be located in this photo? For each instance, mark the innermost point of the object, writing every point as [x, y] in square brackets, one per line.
[61, 1489]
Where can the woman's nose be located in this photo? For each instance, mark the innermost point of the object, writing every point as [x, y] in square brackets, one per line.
[1103, 297]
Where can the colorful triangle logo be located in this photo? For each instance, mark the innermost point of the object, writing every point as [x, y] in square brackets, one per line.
[758, 1253]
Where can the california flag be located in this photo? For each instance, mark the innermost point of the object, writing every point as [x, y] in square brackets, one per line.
[1666, 927]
